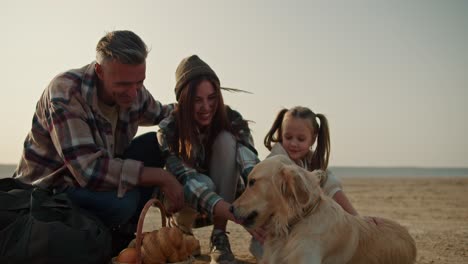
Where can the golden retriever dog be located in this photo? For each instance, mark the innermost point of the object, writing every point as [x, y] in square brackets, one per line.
[305, 226]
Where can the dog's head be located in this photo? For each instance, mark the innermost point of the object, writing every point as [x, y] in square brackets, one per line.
[278, 190]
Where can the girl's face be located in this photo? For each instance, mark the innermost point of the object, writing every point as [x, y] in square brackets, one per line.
[297, 137]
[205, 104]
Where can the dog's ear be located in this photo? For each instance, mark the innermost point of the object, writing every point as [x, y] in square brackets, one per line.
[293, 185]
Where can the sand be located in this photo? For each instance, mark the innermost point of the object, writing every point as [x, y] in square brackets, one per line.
[435, 211]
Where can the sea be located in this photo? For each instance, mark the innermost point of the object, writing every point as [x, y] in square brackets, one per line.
[6, 170]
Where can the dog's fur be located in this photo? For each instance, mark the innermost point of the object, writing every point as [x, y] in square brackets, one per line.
[278, 194]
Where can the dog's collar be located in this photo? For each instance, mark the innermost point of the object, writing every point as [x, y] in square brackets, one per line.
[307, 211]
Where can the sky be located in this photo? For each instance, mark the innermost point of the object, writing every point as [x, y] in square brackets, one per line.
[390, 76]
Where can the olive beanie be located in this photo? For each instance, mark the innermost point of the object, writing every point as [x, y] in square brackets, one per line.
[190, 68]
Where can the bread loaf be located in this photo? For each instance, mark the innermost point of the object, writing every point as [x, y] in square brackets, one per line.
[151, 253]
[191, 243]
[165, 242]
[176, 237]
[153, 258]
[167, 245]
[183, 252]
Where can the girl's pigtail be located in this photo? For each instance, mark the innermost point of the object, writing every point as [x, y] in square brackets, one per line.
[274, 135]
[322, 151]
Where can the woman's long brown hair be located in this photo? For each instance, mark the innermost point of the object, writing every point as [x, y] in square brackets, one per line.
[186, 135]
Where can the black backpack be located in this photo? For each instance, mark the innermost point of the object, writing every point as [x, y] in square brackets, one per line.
[38, 226]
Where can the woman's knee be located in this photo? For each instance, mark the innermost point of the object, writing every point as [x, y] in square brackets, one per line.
[224, 141]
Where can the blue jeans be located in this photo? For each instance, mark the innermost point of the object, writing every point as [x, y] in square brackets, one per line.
[112, 210]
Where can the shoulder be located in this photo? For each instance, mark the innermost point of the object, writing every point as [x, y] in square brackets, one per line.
[331, 183]
[145, 97]
[239, 125]
[233, 115]
[68, 84]
[167, 125]
[240, 128]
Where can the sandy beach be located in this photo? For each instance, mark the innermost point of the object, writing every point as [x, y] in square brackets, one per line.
[435, 210]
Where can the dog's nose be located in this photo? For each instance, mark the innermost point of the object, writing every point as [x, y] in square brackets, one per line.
[237, 218]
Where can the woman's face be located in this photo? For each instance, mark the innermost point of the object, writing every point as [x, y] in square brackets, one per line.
[205, 104]
[297, 137]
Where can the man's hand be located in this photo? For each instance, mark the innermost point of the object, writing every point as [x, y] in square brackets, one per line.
[168, 184]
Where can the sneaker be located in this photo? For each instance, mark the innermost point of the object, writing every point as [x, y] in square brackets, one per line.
[220, 249]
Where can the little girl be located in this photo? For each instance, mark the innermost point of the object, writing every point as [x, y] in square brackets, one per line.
[296, 133]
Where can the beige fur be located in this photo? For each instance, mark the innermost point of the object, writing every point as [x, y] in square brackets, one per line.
[278, 194]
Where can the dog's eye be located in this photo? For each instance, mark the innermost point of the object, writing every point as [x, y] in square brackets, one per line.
[251, 182]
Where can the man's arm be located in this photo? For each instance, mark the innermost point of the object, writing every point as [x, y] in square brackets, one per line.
[90, 164]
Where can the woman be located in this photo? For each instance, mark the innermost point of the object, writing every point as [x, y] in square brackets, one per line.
[209, 149]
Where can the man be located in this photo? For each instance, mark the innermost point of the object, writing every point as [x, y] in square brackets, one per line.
[82, 130]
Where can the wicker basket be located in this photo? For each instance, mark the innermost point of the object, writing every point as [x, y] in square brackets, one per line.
[139, 236]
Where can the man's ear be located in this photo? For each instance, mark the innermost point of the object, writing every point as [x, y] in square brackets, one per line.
[98, 70]
[293, 185]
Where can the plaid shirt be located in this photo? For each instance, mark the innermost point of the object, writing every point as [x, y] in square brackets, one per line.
[196, 192]
[71, 143]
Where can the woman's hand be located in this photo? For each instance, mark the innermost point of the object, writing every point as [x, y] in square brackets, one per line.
[225, 210]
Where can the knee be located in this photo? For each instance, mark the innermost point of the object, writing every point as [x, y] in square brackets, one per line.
[224, 141]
